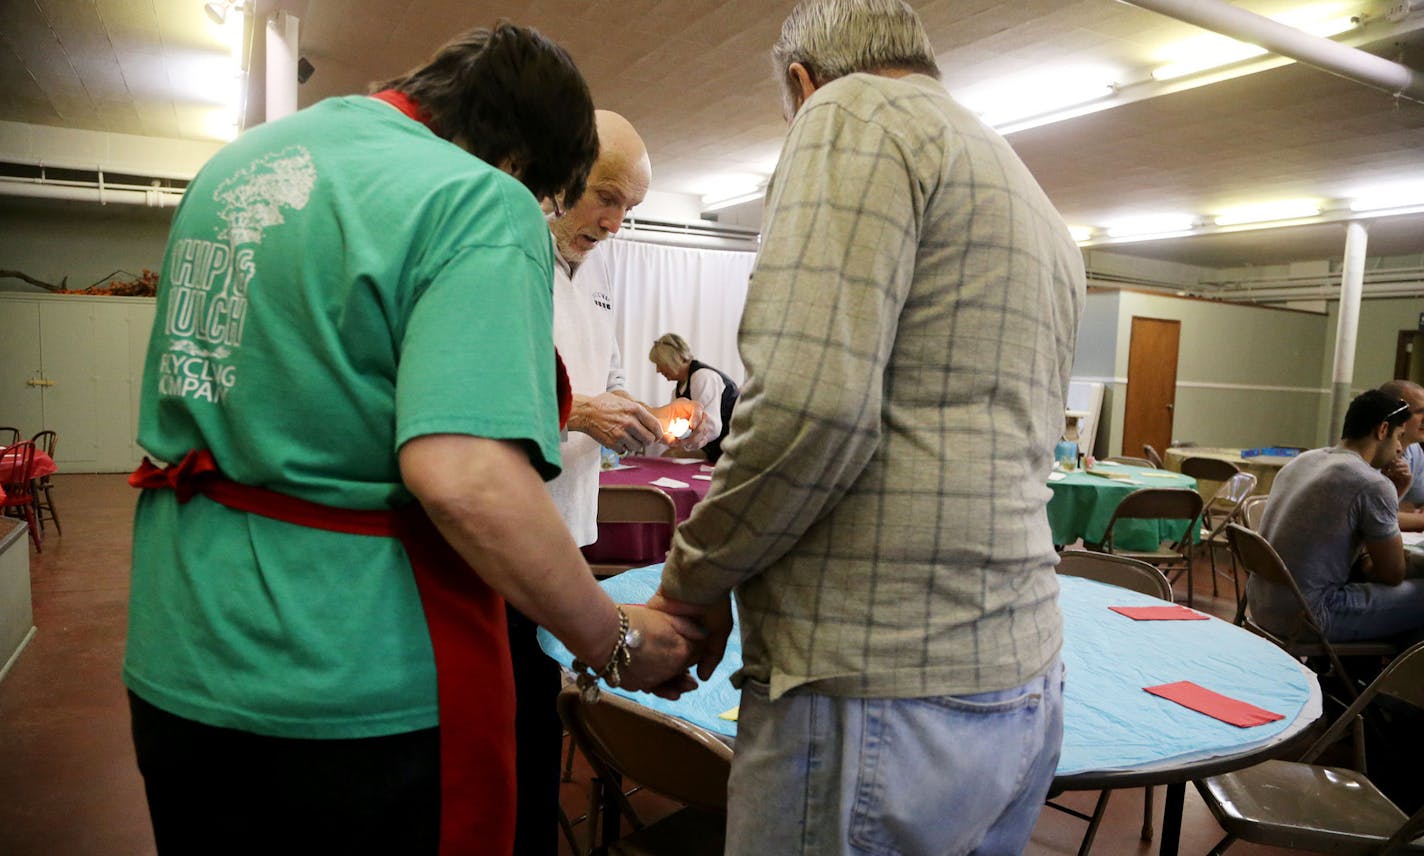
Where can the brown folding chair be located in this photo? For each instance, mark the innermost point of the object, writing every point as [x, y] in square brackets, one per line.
[1224, 507]
[632, 503]
[1209, 469]
[1135, 576]
[45, 441]
[666, 755]
[1151, 455]
[1300, 805]
[1304, 639]
[19, 498]
[1114, 570]
[1159, 503]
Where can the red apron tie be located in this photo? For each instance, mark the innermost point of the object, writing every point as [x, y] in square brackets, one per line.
[474, 676]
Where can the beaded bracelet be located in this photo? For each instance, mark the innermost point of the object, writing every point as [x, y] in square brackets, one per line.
[587, 679]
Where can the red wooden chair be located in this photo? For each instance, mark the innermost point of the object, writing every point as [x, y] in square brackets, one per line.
[45, 441]
[19, 498]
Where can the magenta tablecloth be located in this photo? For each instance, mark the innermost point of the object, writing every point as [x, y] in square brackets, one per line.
[645, 543]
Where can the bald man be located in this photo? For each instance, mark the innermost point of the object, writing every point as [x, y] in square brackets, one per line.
[603, 415]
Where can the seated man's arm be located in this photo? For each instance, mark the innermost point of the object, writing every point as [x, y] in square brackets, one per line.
[1385, 561]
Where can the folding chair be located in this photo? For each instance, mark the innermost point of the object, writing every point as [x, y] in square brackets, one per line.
[632, 503]
[1139, 577]
[664, 754]
[9, 436]
[1252, 510]
[1151, 455]
[45, 441]
[1304, 639]
[1300, 805]
[1224, 507]
[1159, 503]
[19, 500]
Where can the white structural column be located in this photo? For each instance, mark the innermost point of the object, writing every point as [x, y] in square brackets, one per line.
[1351, 63]
[1352, 283]
[282, 28]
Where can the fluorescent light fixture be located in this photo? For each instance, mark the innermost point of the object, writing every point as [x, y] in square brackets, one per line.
[1006, 102]
[1081, 233]
[1151, 224]
[1383, 198]
[1200, 53]
[731, 201]
[1288, 209]
[728, 189]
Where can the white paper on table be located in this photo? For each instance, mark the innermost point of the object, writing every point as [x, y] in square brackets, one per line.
[707, 467]
[1057, 476]
[683, 461]
[667, 482]
[703, 478]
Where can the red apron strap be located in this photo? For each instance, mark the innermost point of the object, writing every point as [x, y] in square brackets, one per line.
[474, 675]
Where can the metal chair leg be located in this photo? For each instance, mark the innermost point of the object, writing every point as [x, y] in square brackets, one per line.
[1147, 813]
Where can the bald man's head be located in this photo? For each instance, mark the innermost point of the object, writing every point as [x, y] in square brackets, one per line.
[618, 181]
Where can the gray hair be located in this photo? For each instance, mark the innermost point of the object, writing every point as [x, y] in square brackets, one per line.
[834, 38]
[670, 350]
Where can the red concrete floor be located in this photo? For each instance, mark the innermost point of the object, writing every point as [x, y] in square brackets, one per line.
[68, 782]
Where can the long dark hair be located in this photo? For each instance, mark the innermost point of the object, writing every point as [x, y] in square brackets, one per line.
[510, 94]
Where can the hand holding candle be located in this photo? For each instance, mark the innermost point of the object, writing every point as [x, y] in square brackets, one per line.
[681, 421]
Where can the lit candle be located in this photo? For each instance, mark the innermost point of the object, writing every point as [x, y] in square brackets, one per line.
[679, 427]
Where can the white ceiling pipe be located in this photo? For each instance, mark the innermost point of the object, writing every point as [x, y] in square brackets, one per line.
[90, 193]
[1351, 63]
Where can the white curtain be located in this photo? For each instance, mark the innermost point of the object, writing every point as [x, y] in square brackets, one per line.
[657, 289]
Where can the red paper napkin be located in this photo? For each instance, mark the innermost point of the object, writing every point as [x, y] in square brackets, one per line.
[1172, 612]
[1217, 706]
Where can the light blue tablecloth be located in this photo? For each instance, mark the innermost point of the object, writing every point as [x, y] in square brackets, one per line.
[1110, 723]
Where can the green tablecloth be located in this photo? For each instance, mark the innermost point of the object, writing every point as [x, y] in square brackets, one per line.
[1083, 504]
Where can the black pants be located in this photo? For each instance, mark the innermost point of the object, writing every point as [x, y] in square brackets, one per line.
[537, 740]
[222, 791]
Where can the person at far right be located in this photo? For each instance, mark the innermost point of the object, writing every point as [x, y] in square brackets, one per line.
[1333, 517]
[1411, 460]
[880, 506]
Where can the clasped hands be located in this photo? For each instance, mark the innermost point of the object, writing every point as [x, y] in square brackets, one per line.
[676, 635]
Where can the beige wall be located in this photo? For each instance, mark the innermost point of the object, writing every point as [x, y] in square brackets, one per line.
[50, 240]
[1246, 376]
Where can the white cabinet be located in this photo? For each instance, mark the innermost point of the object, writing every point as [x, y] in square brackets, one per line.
[73, 364]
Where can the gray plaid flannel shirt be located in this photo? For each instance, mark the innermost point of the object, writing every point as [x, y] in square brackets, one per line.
[908, 337]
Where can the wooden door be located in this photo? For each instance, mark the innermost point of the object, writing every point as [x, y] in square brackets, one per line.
[1409, 356]
[1151, 384]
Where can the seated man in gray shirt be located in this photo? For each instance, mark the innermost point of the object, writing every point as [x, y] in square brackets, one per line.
[1332, 510]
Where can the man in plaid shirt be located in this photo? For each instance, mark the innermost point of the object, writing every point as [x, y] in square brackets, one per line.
[880, 505]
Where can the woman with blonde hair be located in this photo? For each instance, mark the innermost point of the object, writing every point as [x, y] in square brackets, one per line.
[704, 384]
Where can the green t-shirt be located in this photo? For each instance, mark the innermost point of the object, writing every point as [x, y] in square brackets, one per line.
[336, 283]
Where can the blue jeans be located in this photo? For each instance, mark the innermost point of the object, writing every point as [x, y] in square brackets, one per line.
[1374, 611]
[819, 775]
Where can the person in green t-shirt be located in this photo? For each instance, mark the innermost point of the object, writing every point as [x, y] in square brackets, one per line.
[353, 342]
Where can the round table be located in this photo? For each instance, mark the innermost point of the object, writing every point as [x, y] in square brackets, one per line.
[1263, 467]
[1083, 504]
[1115, 735]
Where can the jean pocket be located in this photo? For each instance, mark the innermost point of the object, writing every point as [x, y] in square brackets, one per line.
[935, 772]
